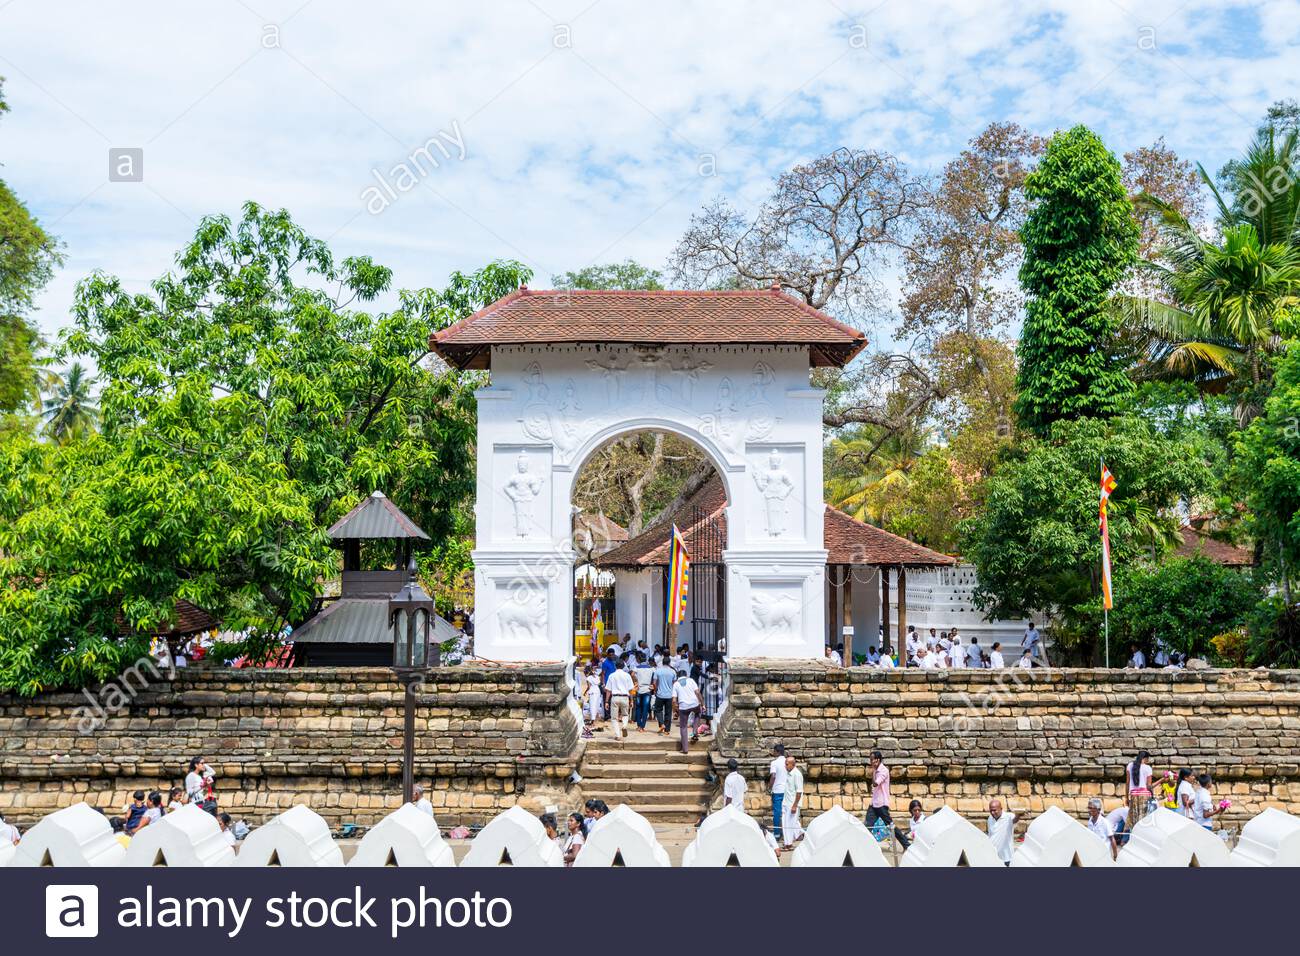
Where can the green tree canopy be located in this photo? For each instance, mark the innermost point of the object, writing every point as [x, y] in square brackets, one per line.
[248, 401]
[1079, 239]
[627, 274]
[1036, 545]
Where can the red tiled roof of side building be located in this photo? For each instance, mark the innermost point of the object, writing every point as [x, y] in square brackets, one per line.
[639, 317]
[1198, 543]
[847, 540]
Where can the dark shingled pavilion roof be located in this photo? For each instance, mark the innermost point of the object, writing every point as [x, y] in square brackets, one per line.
[650, 318]
[848, 541]
[375, 517]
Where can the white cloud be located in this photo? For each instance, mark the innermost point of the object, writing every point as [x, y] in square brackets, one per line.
[578, 153]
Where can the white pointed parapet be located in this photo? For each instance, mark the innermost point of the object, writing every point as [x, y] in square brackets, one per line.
[297, 837]
[514, 838]
[1055, 838]
[1166, 838]
[622, 838]
[7, 851]
[838, 838]
[946, 838]
[186, 837]
[729, 837]
[78, 835]
[1270, 839]
[406, 837]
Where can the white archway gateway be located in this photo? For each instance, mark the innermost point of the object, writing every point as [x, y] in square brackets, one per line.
[572, 370]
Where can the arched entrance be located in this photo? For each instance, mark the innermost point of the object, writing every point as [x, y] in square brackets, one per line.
[571, 370]
[628, 495]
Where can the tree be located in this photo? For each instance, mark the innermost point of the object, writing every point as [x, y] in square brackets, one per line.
[1158, 171]
[1183, 603]
[627, 274]
[967, 238]
[247, 403]
[28, 255]
[1079, 238]
[864, 463]
[827, 225]
[1035, 542]
[633, 479]
[70, 411]
[1214, 317]
[1268, 465]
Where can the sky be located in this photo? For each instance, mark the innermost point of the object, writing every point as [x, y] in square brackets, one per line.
[565, 134]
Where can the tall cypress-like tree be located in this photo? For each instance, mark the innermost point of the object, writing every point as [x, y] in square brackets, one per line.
[1079, 239]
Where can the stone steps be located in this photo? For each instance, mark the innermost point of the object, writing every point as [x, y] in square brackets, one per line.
[646, 772]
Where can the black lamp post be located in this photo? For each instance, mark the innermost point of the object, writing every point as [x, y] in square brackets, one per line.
[410, 615]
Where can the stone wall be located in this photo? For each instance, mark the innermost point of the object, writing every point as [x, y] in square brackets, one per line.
[486, 738]
[1031, 737]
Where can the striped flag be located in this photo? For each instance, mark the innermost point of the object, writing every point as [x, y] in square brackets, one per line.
[1107, 486]
[679, 578]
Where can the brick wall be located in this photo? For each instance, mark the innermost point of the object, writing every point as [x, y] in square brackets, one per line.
[486, 738]
[1058, 736]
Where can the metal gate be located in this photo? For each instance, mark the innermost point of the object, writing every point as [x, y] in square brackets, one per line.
[708, 580]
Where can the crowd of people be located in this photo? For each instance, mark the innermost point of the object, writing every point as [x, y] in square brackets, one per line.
[638, 685]
[198, 789]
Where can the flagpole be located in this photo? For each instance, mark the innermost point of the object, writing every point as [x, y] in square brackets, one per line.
[1105, 611]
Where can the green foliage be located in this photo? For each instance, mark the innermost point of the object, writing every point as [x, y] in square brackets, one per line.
[70, 411]
[1268, 467]
[628, 274]
[28, 255]
[1035, 543]
[1079, 239]
[1183, 602]
[245, 406]
[925, 505]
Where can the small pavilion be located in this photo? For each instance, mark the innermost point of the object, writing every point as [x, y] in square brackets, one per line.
[863, 562]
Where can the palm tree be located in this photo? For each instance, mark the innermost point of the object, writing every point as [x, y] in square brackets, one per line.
[70, 411]
[1220, 301]
[865, 465]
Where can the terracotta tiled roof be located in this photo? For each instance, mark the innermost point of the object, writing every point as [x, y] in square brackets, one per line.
[848, 541]
[190, 619]
[664, 317]
[1198, 543]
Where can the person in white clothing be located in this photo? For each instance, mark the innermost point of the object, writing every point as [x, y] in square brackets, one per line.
[618, 697]
[420, 801]
[873, 656]
[1185, 794]
[915, 815]
[833, 656]
[197, 781]
[1136, 657]
[927, 659]
[8, 833]
[1001, 828]
[995, 657]
[1100, 827]
[1026, 660]
[1204, 809]
[791, 831]
[885, 661]
[776, 777]
[686, 703]
[957, 655]
[733, 788]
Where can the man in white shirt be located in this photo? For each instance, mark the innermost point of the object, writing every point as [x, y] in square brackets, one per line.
[833, 656]
[995, 656]
[885, 662]
[1137, 658]
[1001, 828]
[420, 801]
[776, 779]
[791, 830]
[687, 701]
[873, 656]
[1100, 827]
[618, 698]
[733, 788]
[927, 659]
[957, 654]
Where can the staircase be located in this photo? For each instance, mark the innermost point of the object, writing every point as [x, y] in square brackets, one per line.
[646, 772]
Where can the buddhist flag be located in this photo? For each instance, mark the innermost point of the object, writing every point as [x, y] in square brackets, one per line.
[679, 577]
[1107, 486]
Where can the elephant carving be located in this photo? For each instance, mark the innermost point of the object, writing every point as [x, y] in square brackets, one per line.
[522, 616]
[775, 614]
